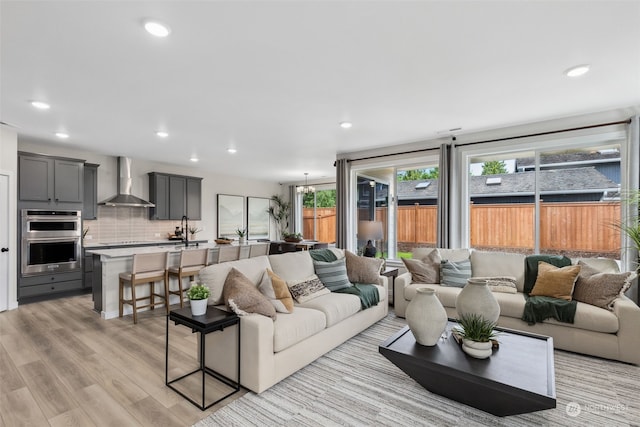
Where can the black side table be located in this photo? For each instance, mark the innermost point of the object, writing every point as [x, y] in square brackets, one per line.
[213, 320]
[391, 273]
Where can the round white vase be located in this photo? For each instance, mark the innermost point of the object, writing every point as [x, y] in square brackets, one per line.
[479, 350]
[477, 298]
[426, 317]
[199, 306]
[242, 240]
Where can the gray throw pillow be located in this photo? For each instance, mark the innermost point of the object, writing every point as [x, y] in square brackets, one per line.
[332, 274]
[455, 274]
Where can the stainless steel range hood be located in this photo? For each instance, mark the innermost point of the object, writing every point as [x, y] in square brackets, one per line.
[124, 196]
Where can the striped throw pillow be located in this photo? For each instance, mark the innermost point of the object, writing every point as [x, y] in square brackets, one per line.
[455, 274]
[333, 274]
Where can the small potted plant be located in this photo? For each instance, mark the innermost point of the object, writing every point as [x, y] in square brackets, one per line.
[292, 237]
[193, 230]
[242, 235]
[477, 335]
[198, 296]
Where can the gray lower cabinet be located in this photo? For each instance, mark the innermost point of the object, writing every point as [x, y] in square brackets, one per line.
[175, 196]
[90, 201]
[47, 285]
[50, 182]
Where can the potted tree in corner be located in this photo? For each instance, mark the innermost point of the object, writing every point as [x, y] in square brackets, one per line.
[199, 297]
[279, 211]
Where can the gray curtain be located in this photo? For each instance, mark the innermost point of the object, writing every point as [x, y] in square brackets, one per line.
[630, 255]
[342, 202]
[444, 183]
[294, 212]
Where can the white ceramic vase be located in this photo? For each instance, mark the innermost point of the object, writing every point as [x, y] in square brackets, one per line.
[242, 240]
[477, 298]
[199, 306]
[426, 317]
[477, 349]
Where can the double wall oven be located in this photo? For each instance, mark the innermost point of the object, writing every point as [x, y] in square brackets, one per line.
[51, 241]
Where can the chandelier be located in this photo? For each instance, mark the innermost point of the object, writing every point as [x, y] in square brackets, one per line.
[306, 188]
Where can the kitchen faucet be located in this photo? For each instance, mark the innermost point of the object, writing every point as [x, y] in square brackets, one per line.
[184, 224]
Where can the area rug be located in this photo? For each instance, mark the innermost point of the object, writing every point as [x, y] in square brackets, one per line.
[354, 385]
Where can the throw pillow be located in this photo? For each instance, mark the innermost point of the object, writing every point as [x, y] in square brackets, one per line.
[600, 289]
[455, 274]
[307, 289]
[426, 270]
[556, 282]
[276, 291]
[332, 274]
[243, 297]
[504, 284]
[363, 269]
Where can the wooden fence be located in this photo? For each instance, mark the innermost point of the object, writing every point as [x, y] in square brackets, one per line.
[579, 227]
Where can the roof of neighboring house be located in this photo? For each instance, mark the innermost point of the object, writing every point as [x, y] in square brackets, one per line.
[575, 180]
[574, 157]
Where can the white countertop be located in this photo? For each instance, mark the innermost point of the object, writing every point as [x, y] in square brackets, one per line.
[130, 251]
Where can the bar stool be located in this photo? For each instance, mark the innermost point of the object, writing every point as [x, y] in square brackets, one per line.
[191, 262]
[147, 269]
[258, 249]
[228, 253]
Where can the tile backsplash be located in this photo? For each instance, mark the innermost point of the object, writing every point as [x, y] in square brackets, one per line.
[119, 224]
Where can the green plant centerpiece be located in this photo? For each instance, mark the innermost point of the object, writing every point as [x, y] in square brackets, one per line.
[477, 335]
[291, 237]
[193, 230]
[241, 232]
[279, 211]
[198, 294]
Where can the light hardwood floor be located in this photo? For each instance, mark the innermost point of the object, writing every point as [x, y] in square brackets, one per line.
[62, 365]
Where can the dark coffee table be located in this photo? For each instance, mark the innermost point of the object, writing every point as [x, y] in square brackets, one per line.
[518, 378]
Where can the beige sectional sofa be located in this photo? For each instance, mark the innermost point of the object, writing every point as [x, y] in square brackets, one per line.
[595, 331]
[271, 350]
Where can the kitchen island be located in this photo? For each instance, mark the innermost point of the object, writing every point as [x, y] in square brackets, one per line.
[109, 263]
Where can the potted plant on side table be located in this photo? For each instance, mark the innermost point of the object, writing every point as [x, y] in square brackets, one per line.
[198, 297]
[477, 335]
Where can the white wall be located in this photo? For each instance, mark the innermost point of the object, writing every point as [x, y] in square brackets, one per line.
[212, 183]
[9, 165]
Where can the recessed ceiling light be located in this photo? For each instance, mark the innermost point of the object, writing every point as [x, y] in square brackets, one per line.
[578, 70]
[40, 105]
[193, 159]
[162, 134]
[156, 28]
[62, 135]
[346, 125]
[232, 150]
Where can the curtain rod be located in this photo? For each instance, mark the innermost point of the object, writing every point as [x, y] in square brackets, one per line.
[546, 133]
[628, 121]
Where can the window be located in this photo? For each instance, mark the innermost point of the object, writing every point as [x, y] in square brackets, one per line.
[319, 215]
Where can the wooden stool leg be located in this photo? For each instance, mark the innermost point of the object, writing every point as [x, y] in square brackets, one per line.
[166, 292]
[121, 294]
[152, 288]
[133, 302]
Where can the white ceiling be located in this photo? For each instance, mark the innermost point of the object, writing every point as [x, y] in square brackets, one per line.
[274, 79]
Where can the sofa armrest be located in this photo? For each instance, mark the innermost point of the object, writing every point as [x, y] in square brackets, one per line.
[399, 302]
[628, 314]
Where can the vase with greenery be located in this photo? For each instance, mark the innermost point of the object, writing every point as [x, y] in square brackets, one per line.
[193, 230]
[198, 296]
[477, 335]
[279, 211]
[242, 234]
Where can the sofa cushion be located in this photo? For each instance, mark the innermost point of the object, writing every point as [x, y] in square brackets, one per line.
[276, 291]
[603, 265]
[493, 264]
[292, 265]
[425, 270]
[591, 318]
[307, 289]
[600, 289]
[214, 275]
[363, 269]
[242, 296]
[556, 282]
[335, 306]
[333, 274]
[455, 255]
[290, 329]
[455, 273]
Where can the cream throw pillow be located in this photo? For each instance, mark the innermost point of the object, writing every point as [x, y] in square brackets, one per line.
[555, 282]
[426, 270]
[276, 290]
[307, 289]
[363, 269]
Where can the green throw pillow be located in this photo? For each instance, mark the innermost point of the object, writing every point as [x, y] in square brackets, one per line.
[455, 274]
[333, 275]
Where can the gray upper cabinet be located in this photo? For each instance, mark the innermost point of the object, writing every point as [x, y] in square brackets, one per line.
[174, 196]
[90, 202]
[50, 182]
